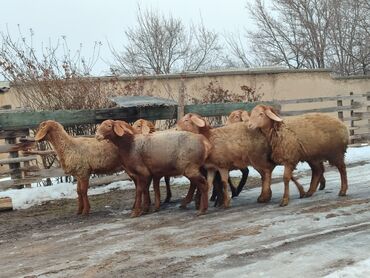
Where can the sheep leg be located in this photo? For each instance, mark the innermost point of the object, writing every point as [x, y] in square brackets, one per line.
[202, 187]
[232, 188]
[243, 180]
[287, 177]
[189, 196]
[157, 193]
[217, 190]
[146, 196]
[84, 185]
[80, 200]
[224, 178]
[317, 172]
[343, 177]
[299, 187]
[322, 182]
[266, 193]
[168, 190]
[141, 184]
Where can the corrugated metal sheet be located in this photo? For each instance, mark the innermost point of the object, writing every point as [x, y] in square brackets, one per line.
[132, 101]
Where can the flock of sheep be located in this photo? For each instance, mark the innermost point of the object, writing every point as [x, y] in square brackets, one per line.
[203, 154]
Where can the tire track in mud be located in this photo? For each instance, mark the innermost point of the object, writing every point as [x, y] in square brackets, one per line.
[246, 257]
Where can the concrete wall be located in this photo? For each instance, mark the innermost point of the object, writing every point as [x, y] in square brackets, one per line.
[272, 83]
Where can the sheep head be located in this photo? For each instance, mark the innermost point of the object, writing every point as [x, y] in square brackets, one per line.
[110, 129]
[238, 116]
[193, 123]
[45, 128]
[263, 117]
[142, 126]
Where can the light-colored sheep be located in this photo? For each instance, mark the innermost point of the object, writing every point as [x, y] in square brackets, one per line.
[158, 154]
[80, 157]
[313, 138]
[142, 126]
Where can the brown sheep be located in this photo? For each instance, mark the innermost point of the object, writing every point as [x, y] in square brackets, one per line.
[80, 157]
[244, 116]
[156, 155]
[234, 147]
[142, 126]
[313, 138]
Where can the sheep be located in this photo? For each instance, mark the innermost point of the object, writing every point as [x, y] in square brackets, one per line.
[244, 116]
[314, 138]
[234, 147]
[158, 154]
[142, 126]
[80, 157]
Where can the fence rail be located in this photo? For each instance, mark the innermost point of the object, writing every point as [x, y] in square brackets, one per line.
[23, 169]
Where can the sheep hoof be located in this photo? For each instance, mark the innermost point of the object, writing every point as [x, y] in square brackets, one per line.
[156, 209]
[136, 213]
[201, 212]
[145, 210]
[322, 186]
[183, 206]
[167, 200]
[308, 194]
[284, 202]
[342, 193]
[263, 199]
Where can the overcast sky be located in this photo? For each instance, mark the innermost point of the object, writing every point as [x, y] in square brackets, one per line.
[86, 21]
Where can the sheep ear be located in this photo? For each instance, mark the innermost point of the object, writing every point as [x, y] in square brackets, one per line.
[198, 121]
[245, 116]
[273, 116]
[120, 129]
[41, 133]
[145, 130]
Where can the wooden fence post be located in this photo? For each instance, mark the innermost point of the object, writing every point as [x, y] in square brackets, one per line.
[181, 99]
[339, 104]
[368, 108]
[352, 122]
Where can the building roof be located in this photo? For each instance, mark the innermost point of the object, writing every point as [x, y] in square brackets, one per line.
[131, 101]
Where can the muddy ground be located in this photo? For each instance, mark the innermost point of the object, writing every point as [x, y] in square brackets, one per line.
[311, 237]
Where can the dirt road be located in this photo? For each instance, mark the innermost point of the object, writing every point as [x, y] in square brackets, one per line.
[311, 237]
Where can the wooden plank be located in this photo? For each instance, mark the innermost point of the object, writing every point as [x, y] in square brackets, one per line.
[17, 159]
[223, 109]
[131, 114]
[31, 168]
[321, 110]
[42, 153]
[16, 120]
[6, 204]
[318, 99]
[13, 133]
[362, 136]
[16, 183]
[5, 148]
[109, 179]
[48, 173]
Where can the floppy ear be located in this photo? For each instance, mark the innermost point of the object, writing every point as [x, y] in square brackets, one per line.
[272, 115]
[198, 121]
[245, 116]
[41, 133]
[118, 128]
[145, 130]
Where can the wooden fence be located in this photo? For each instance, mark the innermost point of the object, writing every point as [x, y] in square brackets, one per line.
[23, 168]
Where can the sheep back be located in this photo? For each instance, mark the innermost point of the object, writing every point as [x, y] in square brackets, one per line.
[314, 136]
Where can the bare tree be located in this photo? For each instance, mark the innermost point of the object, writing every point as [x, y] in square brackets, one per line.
[160, 44]
[310, 34]
[52, 78]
